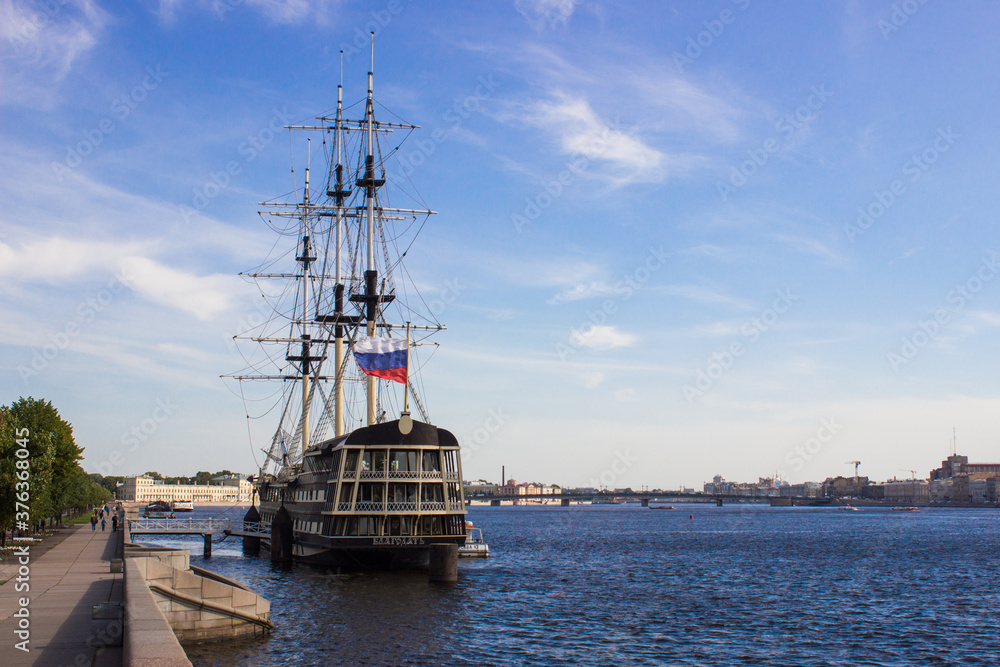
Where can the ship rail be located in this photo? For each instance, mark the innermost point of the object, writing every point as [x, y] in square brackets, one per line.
[402, 507]
[391, 506]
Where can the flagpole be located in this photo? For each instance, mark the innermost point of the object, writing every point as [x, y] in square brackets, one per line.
[406, 383]
[405, 422]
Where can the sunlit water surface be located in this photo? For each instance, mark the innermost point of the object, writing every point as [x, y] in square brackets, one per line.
[625, 585]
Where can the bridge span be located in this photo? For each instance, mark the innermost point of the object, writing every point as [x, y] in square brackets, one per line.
[645, 497]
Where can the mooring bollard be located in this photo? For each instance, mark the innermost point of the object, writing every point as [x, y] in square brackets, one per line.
[444, 562]
[281, 536]
[251, 545]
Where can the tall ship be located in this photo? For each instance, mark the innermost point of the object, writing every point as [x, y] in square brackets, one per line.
[350, 478]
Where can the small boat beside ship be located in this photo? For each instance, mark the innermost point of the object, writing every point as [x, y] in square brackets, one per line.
[182, 506]
[475, 546]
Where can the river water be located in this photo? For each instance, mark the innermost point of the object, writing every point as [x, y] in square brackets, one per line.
[625, 585]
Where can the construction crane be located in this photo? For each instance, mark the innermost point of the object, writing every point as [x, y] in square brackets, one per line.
[913, 473]
[856, 464]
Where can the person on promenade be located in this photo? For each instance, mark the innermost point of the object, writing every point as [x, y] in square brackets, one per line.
[93, 522]
[103, 523]
[114, 522]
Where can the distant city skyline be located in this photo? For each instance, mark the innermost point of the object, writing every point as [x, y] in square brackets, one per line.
[673, 241]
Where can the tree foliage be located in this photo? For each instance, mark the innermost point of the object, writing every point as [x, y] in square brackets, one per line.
[56, 482]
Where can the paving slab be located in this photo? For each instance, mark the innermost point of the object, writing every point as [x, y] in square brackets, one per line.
[65, 582]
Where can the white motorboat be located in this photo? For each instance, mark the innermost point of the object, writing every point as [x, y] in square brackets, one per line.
[475, 546]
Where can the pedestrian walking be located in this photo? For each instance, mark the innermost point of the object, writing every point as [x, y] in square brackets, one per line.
[114, 522]
[103, 523]
[93, 522]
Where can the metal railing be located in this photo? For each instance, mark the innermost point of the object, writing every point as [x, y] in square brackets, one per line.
[370, 507]
[402, 507]
[180, 525]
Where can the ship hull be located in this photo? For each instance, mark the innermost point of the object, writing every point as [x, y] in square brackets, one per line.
[376, 499]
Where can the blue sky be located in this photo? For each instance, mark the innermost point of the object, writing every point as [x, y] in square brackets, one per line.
[674, 240]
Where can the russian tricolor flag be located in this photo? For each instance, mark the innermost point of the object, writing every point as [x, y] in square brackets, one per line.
[382, 357]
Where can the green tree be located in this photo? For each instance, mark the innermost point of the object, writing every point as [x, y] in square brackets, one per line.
[110, 482]
[56, 482]
[41, 421]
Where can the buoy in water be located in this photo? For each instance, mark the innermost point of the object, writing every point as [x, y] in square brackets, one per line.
[690, 516]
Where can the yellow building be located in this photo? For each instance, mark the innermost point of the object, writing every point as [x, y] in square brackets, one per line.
[221, 490]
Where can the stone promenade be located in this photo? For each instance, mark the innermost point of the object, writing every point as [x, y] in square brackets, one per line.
[64, 583]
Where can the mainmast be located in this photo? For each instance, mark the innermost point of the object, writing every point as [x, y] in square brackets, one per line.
[370, 184]
[340, 194]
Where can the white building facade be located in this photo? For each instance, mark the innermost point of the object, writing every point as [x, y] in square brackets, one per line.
[146, 489]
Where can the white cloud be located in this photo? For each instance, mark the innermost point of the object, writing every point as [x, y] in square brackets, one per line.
[698, 110]
[202, 296]
[546, 13]
[626, 395]
[602, 338]
[57, 259]
[809, 246]
[593, 380]
[42, 41]
[582, 291]
[285, 12]
[705, 295]
[581, 132]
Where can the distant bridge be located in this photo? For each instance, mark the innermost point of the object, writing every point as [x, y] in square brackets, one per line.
[645, 497]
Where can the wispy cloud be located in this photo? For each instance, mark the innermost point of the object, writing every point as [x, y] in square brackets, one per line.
[285, 12]
[627, 395]
[57, 259]
[809, 246]
[546, 13]
[39, 44]
[711, 251]
[580, 131]
[704, 294]
[583, 291]
[202, 296]
[603, 338]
